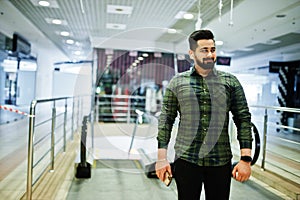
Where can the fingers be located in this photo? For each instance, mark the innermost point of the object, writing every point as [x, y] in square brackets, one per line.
[241, 172]
[161, 168]
[242, 178]
[234, 172]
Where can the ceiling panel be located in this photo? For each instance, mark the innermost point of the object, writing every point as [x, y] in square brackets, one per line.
[86, 20]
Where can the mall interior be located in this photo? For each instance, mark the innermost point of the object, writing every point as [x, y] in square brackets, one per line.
[82, 85]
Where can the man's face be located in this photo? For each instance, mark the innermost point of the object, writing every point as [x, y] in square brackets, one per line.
[205, 54]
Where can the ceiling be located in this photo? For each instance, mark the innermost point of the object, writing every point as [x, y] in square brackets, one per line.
[251, 27]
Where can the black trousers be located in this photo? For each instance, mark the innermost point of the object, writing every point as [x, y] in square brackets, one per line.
[190, 177]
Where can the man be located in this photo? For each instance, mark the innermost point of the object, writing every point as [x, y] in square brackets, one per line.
[203, 98]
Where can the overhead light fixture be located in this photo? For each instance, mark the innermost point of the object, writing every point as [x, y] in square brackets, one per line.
[116, 26]
[184, 15]
[171, 30]
[188, 16]
[65, 33]
[140, 58]
[44, 3]
[116, 9]
[56, 21]
[69, 41]
[145, 55]
[77, 53]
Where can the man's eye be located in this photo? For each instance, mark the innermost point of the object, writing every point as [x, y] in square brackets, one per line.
[204, 50]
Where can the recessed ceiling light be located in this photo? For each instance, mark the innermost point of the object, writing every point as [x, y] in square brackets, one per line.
[145, 55]
[65, 33]
[77, 53]
[140, 58]
[44, 3]
[184, 15]
[116, 9]
[172, 30]
[70, 41]
[56, 21]
[116, 26]
[188, 16]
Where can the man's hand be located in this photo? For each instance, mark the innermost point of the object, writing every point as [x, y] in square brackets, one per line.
[242, 171]
[161, 167]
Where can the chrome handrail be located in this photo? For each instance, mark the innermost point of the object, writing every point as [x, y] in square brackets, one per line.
[32, 125]
[265, 125]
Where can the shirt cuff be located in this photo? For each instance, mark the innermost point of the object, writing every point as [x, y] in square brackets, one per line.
[162, 145]
[245, 145]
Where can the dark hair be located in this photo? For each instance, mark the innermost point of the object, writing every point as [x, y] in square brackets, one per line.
[199, 35]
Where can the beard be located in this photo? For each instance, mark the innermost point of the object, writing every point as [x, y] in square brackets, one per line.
[206, 63]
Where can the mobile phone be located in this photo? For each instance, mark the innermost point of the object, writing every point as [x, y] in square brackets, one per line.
[168, 179]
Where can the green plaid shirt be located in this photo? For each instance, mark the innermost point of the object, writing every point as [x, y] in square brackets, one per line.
[203, 105]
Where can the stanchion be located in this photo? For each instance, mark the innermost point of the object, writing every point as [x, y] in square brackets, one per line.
[84, 168]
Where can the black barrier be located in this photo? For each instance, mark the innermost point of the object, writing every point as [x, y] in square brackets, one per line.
[150, 169]
[83, 169]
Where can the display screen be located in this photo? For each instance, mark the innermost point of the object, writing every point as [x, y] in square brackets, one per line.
[222, 60]
[21, 45]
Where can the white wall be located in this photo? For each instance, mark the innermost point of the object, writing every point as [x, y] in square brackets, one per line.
[45, 51]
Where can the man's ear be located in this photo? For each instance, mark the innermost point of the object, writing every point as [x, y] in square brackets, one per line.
[191, 53]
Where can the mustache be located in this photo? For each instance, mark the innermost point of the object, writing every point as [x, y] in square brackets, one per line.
[208, 60]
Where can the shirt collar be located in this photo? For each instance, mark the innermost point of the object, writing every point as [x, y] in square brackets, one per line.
[193, 71]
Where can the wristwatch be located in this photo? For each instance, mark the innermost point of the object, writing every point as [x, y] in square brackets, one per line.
[246, 158]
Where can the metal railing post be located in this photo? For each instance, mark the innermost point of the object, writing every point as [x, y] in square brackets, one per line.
[97, 110]
[77, 121]
[65, 124]
[73, 110]
[53, 136]
[128, 110]
[264, 139]
[30, 150]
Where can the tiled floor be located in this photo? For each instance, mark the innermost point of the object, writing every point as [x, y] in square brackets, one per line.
[123, 180]
[127, 180]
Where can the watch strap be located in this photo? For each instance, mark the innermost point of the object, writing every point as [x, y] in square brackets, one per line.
[246, 158]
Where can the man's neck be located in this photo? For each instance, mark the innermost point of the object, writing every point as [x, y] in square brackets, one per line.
[202, 72]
